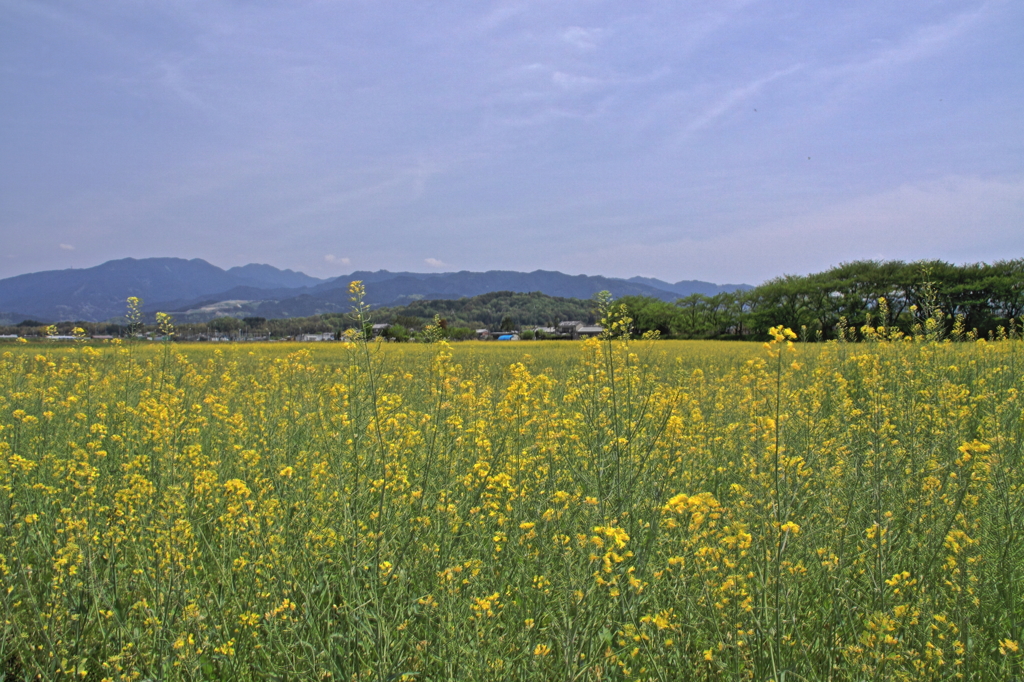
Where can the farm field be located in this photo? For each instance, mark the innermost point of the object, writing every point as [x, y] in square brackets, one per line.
[592, 510]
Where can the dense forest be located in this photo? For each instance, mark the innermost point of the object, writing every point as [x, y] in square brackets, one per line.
[975, 298]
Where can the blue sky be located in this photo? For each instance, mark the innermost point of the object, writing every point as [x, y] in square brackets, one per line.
[723, 141]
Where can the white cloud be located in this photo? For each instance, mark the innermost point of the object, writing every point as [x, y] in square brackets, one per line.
[583, 38]
[174, 79]
[434, 262]
[331, 258]
[67, 247]
[499, 16]
[569, 81]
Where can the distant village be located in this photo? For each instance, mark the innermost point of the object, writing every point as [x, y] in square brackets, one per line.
[565, 330]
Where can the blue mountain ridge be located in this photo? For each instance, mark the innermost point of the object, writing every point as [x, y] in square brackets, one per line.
[195, 287]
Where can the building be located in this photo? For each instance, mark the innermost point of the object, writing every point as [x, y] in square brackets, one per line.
[569, 327]
[574, 329]
[325, 336]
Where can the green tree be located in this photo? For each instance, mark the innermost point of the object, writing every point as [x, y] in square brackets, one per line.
[225, 325]
[652, 314]
[397, 332]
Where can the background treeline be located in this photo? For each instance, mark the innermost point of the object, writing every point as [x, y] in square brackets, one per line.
[824, 305]
[842, 299]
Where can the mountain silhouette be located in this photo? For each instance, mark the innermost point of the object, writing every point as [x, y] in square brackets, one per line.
[196, 289]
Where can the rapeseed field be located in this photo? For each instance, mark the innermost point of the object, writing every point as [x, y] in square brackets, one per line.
[599, 510]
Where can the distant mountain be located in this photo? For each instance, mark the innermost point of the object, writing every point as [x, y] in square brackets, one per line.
[404, 287]
[384, 288]
[196, 291]
[99, 293]
[687, 287]
[269, 277]
[13, 318]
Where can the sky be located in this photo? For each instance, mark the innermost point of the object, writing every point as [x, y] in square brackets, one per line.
[726, 141]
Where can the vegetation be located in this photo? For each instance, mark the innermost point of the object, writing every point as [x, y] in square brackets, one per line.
[845, 298]
[502, 310]
[977, 299]
[600, 510]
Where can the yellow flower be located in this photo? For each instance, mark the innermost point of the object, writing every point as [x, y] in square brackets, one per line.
[1008, 646]
[227, 649]
[484, 606]
[541, 650]
[237, 487]
[251, 619]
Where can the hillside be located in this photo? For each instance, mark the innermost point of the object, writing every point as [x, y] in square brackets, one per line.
[489, 310]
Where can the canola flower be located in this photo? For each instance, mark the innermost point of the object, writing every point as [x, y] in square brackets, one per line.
[610, 509]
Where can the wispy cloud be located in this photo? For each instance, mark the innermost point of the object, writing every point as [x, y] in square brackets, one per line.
[734, 98]
[920, 43]
[500, 15]
[582, 38]
[173, 78]
[510, 132]
[959, 219]
[570, 81]
[368, 188]
[66, 247]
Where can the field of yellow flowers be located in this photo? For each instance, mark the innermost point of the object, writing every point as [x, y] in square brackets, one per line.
[601, 510]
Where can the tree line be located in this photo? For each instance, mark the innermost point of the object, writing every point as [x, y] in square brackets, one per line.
[979, 298]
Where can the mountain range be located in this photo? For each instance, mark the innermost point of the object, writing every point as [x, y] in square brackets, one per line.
[196, 291]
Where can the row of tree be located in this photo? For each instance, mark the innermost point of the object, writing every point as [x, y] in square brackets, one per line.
[841, 300]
